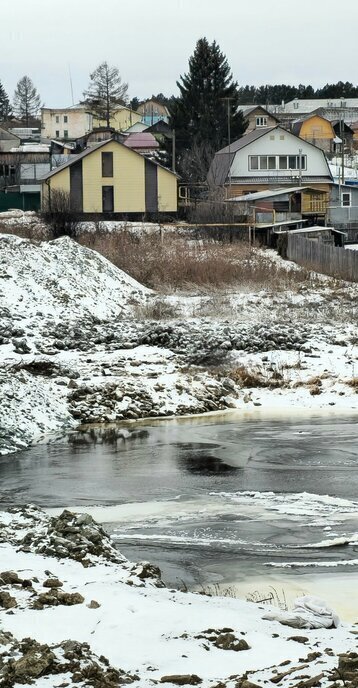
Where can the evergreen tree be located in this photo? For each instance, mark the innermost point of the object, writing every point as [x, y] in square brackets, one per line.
[106, 92]
[248, 95]
[5, 107]
[199, 115]
[338, 90]
[134, 103]
[27, 101]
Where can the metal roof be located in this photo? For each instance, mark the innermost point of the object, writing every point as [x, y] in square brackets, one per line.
[141, 140]
[308, 230]
[259, 195]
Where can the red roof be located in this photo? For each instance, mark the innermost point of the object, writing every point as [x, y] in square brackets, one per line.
[141, 140]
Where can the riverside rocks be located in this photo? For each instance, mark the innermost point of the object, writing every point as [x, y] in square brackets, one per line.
[73, 536]
[26, 660]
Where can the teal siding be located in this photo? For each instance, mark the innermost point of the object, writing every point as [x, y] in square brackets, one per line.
[20, 201]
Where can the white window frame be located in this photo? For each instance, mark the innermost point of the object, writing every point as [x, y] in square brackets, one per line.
[261, 121]
[348, 195]
[266, 166]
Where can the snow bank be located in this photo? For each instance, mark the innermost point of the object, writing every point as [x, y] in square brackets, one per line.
[63, 279]
[144, 630]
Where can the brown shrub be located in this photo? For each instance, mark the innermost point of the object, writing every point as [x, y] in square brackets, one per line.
[173, 261]
[353, 382]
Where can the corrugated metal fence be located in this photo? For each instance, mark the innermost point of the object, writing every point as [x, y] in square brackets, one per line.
[315, 255]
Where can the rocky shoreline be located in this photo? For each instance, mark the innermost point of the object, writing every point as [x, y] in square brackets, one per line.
[76, 346]
[42, 585]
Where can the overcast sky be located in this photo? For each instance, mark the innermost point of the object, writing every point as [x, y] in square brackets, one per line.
[150, 41]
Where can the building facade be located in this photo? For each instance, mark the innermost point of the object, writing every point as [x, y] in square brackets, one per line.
[76, 121]
[111, 178]
[267, 159]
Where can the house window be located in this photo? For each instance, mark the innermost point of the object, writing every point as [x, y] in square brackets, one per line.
[65, 134]
[261, 121]
[346, 199]
[57, 119]
[296, 105]
[263, 162]
[277, 162]
[107, 164]
[57, 133]
[107, 199]
[65, 119]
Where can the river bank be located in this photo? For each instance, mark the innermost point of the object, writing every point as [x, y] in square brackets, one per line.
[116, 623]
[81, 342]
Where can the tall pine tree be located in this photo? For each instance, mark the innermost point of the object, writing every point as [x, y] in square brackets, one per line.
[5, 107]
[199, 114]
[27, 101]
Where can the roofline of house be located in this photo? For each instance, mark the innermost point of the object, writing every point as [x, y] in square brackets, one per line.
[91, 149]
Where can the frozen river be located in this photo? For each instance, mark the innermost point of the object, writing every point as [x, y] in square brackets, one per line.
[259, 505]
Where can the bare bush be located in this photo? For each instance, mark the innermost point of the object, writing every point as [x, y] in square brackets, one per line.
[176, 262]
[256, 377]
[58, 214]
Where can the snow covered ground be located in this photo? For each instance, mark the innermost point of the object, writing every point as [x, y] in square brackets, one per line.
[82, 342]
[79, 344]
[148, 633]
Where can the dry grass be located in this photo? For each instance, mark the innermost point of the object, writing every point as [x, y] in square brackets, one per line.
[353, 382]
[175, 262]
[169, 262]
[256, 377]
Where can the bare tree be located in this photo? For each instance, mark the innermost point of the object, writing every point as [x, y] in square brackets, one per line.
[194, 163]
[27, 101]
[105, 92]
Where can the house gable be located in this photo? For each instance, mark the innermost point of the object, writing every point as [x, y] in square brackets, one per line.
[278, 143]
[136, 184]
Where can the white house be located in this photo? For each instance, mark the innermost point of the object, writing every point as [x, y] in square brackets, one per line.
[269, 158]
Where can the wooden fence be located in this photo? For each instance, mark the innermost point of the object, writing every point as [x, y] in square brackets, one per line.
[315, 255]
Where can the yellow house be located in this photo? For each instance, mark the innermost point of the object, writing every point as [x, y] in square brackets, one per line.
[122, 119]
[317, 130]
[77, 120]
[110, 178]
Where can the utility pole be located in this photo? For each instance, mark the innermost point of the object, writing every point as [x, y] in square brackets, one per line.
[173, 150]
[341, 131]
[228, 100]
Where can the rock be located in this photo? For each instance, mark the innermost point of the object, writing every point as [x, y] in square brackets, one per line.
[57, 597]
[145, 570]
[6, 601]
[182, 679]
[228, 641]
[52, 583]
[310, 682]
[33, 664]
[298, 638]
[10, 577]
[348, 665]
[93, 605]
